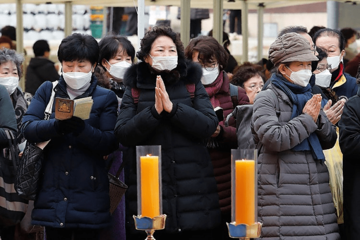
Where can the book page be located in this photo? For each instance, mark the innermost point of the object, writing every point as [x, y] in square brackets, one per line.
[83, 107]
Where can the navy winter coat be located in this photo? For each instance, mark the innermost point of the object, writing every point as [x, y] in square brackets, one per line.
[190, 197]
[74, 192]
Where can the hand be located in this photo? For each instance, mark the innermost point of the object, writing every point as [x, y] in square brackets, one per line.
[217, 132]
[313, 106]
[164, 96]
[73, 125]
[158, 103]
[334, 113]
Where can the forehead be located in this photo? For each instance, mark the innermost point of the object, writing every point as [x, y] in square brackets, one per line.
[121, 51]
[163, 41]
[78, 61]
[327, 42]
[8, 65]
[255, 79]
[307, 37]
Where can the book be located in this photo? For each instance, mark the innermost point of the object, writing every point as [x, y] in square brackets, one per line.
[67, 108]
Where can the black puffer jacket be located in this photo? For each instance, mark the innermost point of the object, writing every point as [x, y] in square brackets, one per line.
[190, 198]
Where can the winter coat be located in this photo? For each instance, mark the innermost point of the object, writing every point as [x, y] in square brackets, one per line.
[74, 192]
[350, 146]
[7, 119]
[343, 84]
[294, 197]
[352, 66]
[40, 69]
[189, 192]
[226, 140]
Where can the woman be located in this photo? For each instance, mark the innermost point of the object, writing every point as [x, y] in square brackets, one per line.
[213, 58]
[73, 200]
[249, 76]
[294, 198]
[116, 56]
[164, 113]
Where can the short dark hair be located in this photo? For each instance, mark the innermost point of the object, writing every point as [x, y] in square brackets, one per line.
[314, 29]
[331, 33]
[208, 48]
[348, 33]
[10, 55]
[79, 47]
[40, 47]
[152, 35]
[321, 55]
[294, 29]
[9, 31]
[110, 45]
[226, 40]
[246, 71]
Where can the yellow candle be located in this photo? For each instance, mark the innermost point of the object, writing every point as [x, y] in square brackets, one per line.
[150, 191]
[245, 192]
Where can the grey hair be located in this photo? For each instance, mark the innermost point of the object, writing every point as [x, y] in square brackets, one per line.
[9, 55]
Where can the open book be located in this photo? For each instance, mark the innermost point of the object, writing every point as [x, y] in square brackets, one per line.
[66, 108]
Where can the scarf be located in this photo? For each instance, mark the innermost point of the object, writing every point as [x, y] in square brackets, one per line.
[299, 96]
[20, 107]
[214, 88]
[74, 93]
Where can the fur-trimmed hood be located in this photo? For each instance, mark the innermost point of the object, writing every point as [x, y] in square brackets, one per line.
[141, 75]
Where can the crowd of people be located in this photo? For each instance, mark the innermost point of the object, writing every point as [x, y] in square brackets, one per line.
[301, 97]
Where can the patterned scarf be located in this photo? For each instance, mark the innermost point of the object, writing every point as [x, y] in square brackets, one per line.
[214, 88]
[20, 107]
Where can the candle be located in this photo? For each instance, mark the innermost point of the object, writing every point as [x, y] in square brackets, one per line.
[150, 190]
[245, 192]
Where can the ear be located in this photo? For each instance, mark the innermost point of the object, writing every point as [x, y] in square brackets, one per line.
[342, 53]
[104, 63]
[282, 69]
[146, 59]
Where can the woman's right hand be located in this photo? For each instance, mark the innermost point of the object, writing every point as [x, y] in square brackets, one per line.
[334, 112]
[158, 102]
[313, 106]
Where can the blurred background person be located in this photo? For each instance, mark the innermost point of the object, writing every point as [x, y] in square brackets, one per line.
[40, 68]
[235, 20]
[351, 51]
[314, 29]
[6, 42]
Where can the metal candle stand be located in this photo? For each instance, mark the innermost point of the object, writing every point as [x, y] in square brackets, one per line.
[149, 225]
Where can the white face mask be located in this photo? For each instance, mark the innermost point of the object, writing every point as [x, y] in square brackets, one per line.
[117, 70]
[323, 79]
[353, 46]
[164, 63]
[77, 80]
[10, 83]
[301, 77]
[209, 77]
[334, 62]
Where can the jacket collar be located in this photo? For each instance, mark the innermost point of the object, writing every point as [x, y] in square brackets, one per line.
[61, 88]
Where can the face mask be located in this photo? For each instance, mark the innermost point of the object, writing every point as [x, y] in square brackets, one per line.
[77, 80]
[301, 77]
[323, 79]
[118, 69]
[353, 46]
[10, 83]
[334, 62]
[209, 77]
[164, 63]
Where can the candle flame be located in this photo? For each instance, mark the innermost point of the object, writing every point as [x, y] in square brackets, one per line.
[148, 155]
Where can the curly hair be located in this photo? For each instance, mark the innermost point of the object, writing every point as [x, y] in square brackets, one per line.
[151, 36]
[246, 71]
[9, 55]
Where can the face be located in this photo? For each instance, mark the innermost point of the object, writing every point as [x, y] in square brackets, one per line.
[294, 67]
[208, 65]
[330, 45]
[351, 40]
[322, 65]
[120, 56]
[308, 38]
[163, 46]
[77, 66]
[253, 86]
[5, 45]
[8, 69]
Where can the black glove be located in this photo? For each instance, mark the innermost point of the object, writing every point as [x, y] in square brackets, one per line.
[73, 125]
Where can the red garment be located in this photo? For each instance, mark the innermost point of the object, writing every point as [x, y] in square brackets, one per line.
[353, 65]
[219, 93]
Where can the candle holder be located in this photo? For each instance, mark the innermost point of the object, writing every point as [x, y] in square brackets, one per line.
[150, 217]
[244, 195]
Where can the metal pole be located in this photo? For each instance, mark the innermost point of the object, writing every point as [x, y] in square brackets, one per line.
[261, 7]
[19, 35]
[185, 22]
[141, 19]
[245, 32]
[68, 19]
[218, 20]
[104, 29]
[111, 19]
[332, 14]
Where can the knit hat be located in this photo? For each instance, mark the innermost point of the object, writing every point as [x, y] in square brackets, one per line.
[291, 47]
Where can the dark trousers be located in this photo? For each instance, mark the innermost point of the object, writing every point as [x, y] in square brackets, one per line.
[195, 28]
[235, 14]
[161, 235]
[116, 20]
[7, 233]
[71, 233]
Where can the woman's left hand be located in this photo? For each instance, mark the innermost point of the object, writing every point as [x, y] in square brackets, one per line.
[166, 102]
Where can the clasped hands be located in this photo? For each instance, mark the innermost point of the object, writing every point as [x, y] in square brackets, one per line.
[162, 100]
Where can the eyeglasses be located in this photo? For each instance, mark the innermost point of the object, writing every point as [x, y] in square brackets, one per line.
[313, 48]
[209, 66]
[323, 67]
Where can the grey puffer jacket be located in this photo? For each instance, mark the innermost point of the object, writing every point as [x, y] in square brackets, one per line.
[294, 197]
